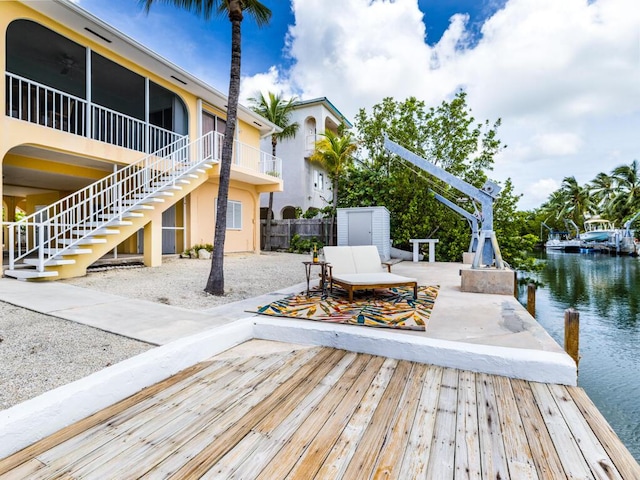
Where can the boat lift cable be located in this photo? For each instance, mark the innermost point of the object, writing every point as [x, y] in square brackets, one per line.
[488, 252]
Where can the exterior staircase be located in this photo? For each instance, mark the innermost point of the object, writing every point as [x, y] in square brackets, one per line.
[62, 240]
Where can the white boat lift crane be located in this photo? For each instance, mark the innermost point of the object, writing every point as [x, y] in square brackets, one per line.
[471, 218]
[488, 251]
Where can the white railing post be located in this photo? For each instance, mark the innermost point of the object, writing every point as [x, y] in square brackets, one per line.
[11, 246]
[41, 248]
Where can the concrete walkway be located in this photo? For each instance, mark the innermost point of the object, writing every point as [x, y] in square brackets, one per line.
[142, 320]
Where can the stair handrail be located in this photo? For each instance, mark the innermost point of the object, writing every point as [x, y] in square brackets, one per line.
[50, 231]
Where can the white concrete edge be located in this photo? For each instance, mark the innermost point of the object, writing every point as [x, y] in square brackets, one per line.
[34, 419]
[525, 364]
[30, 421]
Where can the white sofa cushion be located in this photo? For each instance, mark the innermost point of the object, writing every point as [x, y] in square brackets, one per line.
[367, 259]
[341, 259]
[381, 278]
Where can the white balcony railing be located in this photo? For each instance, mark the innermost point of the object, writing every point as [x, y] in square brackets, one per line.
[37, 103]
[255, 159]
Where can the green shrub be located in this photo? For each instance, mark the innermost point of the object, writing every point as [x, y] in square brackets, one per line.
[304, 245]
[197, 247]
[311, 212]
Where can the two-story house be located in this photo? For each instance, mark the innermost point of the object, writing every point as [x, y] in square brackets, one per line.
[106, 145]
[307, 183]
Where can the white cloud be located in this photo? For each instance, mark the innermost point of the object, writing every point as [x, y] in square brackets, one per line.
[564, 76]
[270, 81]
[557, 144]
[540, 190]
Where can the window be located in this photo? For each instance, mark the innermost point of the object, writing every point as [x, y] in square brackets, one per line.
[318, 181]
[234, 215]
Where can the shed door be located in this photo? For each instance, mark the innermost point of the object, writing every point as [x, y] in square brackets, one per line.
[360, 228]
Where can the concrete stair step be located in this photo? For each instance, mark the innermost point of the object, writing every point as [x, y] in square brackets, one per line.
[143, 200]
[166, 186]
[112, 223]
[138, 206]
[50, 262]
[97, 232]
[55, 252]
[26, 274]
[84, 241]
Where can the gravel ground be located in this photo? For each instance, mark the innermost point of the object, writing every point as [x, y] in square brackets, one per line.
[39, 352]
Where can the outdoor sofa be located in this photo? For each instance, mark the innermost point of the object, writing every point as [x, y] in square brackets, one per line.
[360, 268]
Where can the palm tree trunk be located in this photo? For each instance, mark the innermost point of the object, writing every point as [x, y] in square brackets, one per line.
[215, 282]
[333, 213]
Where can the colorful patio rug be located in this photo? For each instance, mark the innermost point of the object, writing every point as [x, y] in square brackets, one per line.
[389, 307]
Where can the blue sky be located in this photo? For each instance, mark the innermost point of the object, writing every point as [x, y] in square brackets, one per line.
[563, 75]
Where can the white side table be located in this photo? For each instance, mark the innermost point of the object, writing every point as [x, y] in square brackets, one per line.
[432, 247]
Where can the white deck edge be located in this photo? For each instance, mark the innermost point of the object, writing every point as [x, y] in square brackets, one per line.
[30, 421]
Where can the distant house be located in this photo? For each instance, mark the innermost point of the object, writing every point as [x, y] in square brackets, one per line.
[106, 145]
[307, 184]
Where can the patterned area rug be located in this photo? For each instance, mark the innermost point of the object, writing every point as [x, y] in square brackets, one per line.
[389, 307]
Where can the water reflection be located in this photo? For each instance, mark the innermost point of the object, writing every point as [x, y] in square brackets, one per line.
[606, 292]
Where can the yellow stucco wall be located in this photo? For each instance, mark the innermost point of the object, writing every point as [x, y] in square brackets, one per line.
[200, 217]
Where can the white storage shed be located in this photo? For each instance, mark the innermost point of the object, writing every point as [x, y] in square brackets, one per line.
[365, 226]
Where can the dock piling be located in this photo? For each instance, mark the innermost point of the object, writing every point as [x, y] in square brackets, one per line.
[572, 333]
[531, 299]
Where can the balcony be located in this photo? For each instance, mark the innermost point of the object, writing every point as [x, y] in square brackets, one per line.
[36, 103]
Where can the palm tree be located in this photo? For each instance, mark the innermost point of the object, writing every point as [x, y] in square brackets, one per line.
[334, 152]
[627, 199]
[278, 111]
[602, 190]
[577, 199]
[235, 10]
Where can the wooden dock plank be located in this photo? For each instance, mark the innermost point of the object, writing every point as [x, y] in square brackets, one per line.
[293, 390]
[516, 448]
[258, 448]
[314, 456]
[619, 454]
[544, 452]
[467, 457]
[337, 462]
[295, 446]
[364, 459]
[97, 418]
[493, 457]
[592, 451]
[441, 463]
[569, 453]
[389, 461]
[143, 441]
[416, 457]
[189, 445]
[324, 413]
[130, 430]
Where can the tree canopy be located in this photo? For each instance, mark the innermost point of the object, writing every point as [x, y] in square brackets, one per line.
[449, 137]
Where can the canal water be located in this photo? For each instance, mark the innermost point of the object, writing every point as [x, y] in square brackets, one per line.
[606, 292]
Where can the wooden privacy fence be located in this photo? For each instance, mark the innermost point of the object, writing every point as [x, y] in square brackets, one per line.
[283, 230]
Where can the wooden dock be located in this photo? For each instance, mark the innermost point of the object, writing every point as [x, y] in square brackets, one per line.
[315, 412]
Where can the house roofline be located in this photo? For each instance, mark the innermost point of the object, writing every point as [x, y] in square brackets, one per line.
[327, 103]
[77, 18]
